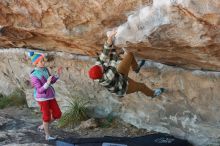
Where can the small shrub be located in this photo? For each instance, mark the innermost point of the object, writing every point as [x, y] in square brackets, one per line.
[4, 102]
[16, 98]
[106, 122]
[75, 113]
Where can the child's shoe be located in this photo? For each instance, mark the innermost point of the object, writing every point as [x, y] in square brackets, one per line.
[40, 128]
[50, 138]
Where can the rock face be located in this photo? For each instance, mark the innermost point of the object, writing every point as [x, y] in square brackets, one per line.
[175, 32]
[20, 128]
[73, 26]
[178, 33]
[189, 110]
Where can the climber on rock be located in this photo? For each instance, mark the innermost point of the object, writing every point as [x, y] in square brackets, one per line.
[115, 77]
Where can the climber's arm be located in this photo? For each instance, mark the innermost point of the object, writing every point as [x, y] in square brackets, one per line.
[104, 55]
[108, 50]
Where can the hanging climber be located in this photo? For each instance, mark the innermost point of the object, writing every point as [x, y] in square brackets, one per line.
[115, 77]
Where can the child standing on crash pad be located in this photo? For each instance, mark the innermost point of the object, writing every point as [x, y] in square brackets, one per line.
[44, 93]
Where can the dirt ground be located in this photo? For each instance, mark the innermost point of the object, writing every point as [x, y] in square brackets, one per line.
[21, 128]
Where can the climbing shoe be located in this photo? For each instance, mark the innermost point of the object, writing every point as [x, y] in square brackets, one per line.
[158, 92]
[140, 65]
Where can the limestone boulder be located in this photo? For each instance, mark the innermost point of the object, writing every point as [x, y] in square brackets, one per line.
[174, 32]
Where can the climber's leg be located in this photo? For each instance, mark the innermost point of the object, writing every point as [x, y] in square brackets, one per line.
[134, 86]
[127, 62]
